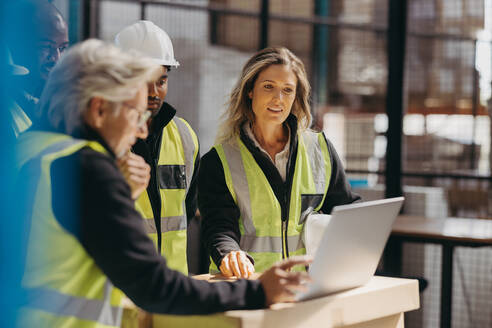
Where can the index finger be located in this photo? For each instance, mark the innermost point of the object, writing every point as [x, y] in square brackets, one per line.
[138, 164]
[135, 157]
[126, 155]
[233, 263]
[225, 269]
[243, 264]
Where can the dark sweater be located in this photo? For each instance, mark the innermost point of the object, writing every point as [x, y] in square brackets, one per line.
[220, 214]
[92, 201]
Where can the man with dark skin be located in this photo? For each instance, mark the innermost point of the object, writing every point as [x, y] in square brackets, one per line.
[171, 149]
[40, 38]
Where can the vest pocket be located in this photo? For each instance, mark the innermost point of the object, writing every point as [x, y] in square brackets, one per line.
[308, 204]
[172, 176]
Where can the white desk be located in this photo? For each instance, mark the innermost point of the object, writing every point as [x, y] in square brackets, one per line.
[381, 303]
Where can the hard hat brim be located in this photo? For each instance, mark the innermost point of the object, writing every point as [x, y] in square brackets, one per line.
[17, 70]
[166, 62]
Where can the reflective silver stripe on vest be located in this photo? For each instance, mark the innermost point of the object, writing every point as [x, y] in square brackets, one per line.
[188, 147]
[241, 188]
[171, 223]
[270, 244]
[110, 314]
[316, 160]
[57, 303]
[59, 146]
[249, 241]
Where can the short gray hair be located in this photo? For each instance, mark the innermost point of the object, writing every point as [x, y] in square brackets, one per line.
[91, 69]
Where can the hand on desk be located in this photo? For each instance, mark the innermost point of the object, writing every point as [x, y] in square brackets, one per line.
[136, 172]
[280, 285]
[236, 264]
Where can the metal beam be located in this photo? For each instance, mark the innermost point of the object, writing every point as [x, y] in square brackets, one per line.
[264, 24]
[143, 7]
[74, 32]
[213, 26]
[395, 94]
[320, 53]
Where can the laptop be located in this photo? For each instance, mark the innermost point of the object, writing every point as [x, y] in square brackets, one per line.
[351, 246]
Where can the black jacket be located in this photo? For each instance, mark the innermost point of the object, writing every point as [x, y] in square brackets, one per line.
[220, 214]
[149, 149]
[92, 201]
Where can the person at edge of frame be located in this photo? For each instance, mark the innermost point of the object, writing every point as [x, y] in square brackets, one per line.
[38, 39]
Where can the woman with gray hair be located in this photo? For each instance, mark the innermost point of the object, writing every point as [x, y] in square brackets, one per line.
[93, 70]
[268, 171]
[86, 235]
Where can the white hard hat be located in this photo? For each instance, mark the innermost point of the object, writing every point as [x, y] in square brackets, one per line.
[7, 63]
[150, 40]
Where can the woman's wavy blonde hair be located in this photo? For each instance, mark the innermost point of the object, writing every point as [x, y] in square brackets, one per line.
[239, 108]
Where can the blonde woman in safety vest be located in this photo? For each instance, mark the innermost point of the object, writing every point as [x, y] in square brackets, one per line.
[87, 245]
[267, 171]
[171, 150]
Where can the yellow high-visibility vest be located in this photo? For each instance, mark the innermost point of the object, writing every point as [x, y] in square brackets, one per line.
[20, 120]
[175, 166]
[65, 286]
[265, 235]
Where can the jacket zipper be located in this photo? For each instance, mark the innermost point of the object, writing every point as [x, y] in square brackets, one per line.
[155, 202]
[157, 151]
[287, 197]
[285, 222]
[284, 239]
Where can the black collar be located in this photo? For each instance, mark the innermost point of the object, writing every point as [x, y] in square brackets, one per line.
[90, 134]
[165, 115]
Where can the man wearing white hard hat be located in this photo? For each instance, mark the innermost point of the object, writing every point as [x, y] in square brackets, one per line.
[19, 119]
[38, 39]
[171, 149]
